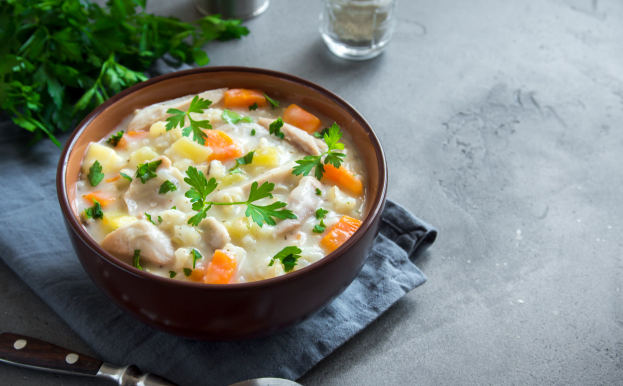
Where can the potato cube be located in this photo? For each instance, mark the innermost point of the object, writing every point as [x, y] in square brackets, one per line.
[157, 129]
[143, 155]
[187, 148]
[113, 220]
[266, 157]
[106, 156]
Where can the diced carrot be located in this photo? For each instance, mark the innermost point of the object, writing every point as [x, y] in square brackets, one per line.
[221, 269]
[197, 274]
[104, 198]
[343, 178]
[137, 134]
[242, 97]
[113, 179]
[300, 118]
[223, 147]
[122, 143]
[340, 232]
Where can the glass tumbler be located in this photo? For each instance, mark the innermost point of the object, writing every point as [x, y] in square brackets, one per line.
[357, 29]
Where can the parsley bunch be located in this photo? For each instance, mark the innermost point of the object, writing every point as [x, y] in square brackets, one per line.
[61, 58]
[260, 214]
[331, 156]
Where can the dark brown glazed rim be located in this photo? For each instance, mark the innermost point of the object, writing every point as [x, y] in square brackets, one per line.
[375, 209]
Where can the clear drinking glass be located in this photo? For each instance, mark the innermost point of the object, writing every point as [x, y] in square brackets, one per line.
[357, 29]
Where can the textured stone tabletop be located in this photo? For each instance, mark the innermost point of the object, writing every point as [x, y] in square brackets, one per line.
[502, 123]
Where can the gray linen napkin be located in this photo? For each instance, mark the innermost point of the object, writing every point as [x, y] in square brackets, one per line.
[34, 243]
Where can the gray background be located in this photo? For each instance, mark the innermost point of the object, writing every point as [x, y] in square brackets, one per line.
[502, 126]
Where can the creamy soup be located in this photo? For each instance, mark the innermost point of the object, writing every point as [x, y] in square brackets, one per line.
[227, 186]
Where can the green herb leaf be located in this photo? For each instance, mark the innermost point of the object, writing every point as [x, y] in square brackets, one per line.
[254, 106]
[136, 258]
[172, 274]
[126, 176]
[319, 228]
[332, 156]
[264, 214]
[273, 103]
[252, 132]
[114, 139]
[246, 160]
[196, 256]
[174, 207]
[159, 220]
[188, 271]
[178, 118]
[275, 128]
[95, 211]
[167, 186]
[318, 192]
[288, 256]
[321, 213]
[233, 117]
[95, 175]
[150, 220]
[320, 134]
[147, 171]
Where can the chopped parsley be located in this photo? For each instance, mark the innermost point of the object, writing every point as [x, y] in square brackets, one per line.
[172, 274]
[320, 228]
[288, 257]
[260, 214]
[332, 155]
[197, 105]
[318, 192]
[114, 139]
[159, 220]
[321, 213]
[246, 160]
[252, 132]
[95, 175]
[196, 256]
[273, 103]
[253, 106]
[136, 258]
[233, 117]
[147, 171]
[95, 211]
[167, 186]
[149, 218]
[174, 207]
[320, 134]
[275, 128]
[188, 272]
[126, 176]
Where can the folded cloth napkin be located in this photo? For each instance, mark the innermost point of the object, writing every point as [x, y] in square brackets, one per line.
[34, 243]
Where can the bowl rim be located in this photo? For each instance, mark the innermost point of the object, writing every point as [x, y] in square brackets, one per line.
[375, 209]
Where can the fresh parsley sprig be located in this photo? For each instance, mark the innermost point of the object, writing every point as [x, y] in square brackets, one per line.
[196, 256]
[197, 105]
[233, 117]
[95, 175]
[260, 214]
[246, 160]
[147, 171]
[115, 138]
[167, 186]
[332, 156]
[288, 257]
[95, 211]
[136, 258]
[275, 128]
[273, 103]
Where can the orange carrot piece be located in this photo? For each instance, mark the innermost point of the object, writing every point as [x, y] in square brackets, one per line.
[242, 97]
[300, 118]
[104, 198]
[340, 232]
[221, 269]
[223, 147]
[123, 142]
[113, 179]
[343, 178]
[197, 274]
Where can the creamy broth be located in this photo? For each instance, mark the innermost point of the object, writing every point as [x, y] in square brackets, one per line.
[226, 246]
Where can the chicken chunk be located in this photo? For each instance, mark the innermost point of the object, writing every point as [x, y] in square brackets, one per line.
[214, 233]
[141, 235]
[303, 202]
[278, 175]
[298, 138]
[141, 198]
[144, 118]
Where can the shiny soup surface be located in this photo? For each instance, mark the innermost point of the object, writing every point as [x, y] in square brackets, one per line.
[227, 186]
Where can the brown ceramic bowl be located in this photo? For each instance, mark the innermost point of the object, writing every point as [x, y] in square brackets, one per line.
[233, 311]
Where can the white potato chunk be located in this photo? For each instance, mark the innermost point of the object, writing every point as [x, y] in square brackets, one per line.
[187, 148]
[186, 235]
[106, 156]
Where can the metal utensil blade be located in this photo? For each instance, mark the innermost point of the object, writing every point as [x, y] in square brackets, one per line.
[267, 382]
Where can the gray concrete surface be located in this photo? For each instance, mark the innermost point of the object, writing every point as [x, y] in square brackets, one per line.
[502, 126]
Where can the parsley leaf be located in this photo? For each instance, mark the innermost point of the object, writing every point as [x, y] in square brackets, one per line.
[149, 218]
[200, 189]
[288, 257]
[173, 207]
[159, 220]
[319, 228]
[233, 117]
[273, 103]
[172, 274]
[318, 192]
[254, 106]
[178, 118]
[95, 211]
[253, 132]
[136, 258]
[95, 175]
[126, 176]
[196, 256]
[331, 156]
[275, 128]
[147, 171]
[188, 272]
[320, 134]
[321, 213]
[167, 186]
[246, 160]
[114, 139]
